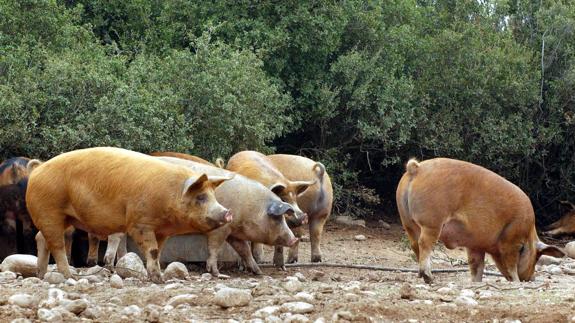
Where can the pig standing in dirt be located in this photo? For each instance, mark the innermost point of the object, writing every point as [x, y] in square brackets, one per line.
[316, 201]
[256, 166]
[465, 205]
[109, 190]
[565, 225]
[258, 216]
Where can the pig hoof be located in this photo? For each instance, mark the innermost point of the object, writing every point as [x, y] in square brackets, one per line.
[156, 278]
[316, 258]
[91, 263]
[427, 279]
[292, 260]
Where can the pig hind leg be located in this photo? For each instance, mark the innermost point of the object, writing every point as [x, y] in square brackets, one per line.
[315, 231]
[257, 251]
[53, 237]
[427, 239]
[243, 249]
[43, 255]
[293, 250]
[476, 260]
[114, 242]
[146, 240]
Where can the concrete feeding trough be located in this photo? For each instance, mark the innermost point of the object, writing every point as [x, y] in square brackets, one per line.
[189, 248]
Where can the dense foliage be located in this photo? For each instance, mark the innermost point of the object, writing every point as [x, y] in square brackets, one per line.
[359, 85]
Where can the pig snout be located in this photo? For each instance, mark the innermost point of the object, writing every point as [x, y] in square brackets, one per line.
[304, 218]
[227, 216]
[292, 241]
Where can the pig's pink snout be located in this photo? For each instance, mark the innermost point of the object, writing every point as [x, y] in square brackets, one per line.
[228, 216]
[304, 219]
[292, 241]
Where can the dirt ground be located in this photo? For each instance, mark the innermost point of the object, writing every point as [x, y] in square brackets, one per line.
[338, 293]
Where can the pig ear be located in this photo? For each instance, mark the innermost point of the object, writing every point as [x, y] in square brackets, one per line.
[217, 180]
[544, 249]
[278, 208]
[193, 183]
[302, 186]
[277, 188]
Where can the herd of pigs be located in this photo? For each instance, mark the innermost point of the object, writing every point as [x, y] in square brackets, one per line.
[252, 200]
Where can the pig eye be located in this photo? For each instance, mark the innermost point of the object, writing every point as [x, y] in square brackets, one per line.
[202, 198]
[522, 249]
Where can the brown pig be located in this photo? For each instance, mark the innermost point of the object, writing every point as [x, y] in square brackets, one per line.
[256, 166]
[181, 156]
[109, 190]
[316, 201]
[565, 225]
[465, 205]
[13, 170]
[258, 216]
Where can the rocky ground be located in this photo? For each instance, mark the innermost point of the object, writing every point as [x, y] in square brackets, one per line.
[300, 294]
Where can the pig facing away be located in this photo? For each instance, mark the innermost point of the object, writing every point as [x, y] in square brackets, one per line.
[316, 201]
[255, 166]
[109, 190]
[13, 170]
[259, 216]
[465, 205]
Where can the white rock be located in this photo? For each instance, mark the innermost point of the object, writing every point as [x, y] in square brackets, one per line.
[297, 318]
[94, 278]
[97, 270]
[465, 301]
[22, 300]
[548, 260]
[359, 237]
[152, 312]
[76, 306]
[7, 276]
[266, 311]
[319, 320]
[83, 285]
[70, 282]
[56, 294]
[31, 281]
[54, 278]
[428, 302]
[133, 263]
[26, 265]
[553, 269]
[300, 277]
[445, 290]
[173, 286]
[206, 276]
[351, 297]
[570, 249]
[485, 294]
[297, 307]
[132, 310]
[190, 299]
[231, 297]
[467, 292]
[49, 315]
[21, 320]
[116, 281]
[292, 285]
[176, 270]
[304, 296]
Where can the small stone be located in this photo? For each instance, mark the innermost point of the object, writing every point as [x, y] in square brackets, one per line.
[176, 270]
[485, 294]
[231, 297]
[545, 260]
[22, 300]
[465, 301]
[83, 285]
[92, 313]
[297, 307]
[445, 291]
[300, 277]
[70, 282]
[94, 278]
[428, 302]
[131, 266]
[359, 237]
[77, 306]
[56, 294]
[317, 274]
[351, 297]
[54, 278]
[183, 299]
[152, 313]
[292, 285]
[49, 315]
[206, 276]
[7, 276]
[21, 320]
[266, 311]
[97, 270]
[116, 282]
[297, 318]
[25, 265]
[554, 270]
[132, 310]
[570, 249]
[384, 224]
[319, 320]
[346, 315]
[407, 292]
[304, 296]
[31, 281]
[467, 292]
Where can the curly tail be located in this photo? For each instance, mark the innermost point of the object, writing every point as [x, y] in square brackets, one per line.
[412, 167]
[32, 165]
[319, 170]
[220, 162]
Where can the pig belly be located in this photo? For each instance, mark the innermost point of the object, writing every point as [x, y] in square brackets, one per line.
[453, 235]
[101, 222]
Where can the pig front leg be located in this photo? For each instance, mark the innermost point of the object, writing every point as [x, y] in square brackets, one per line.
[476, 260]
[93, 248]
[293, 250]
[243, 249]
[257, 251]
[146, 240]
[279, 258]
[68, 238]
